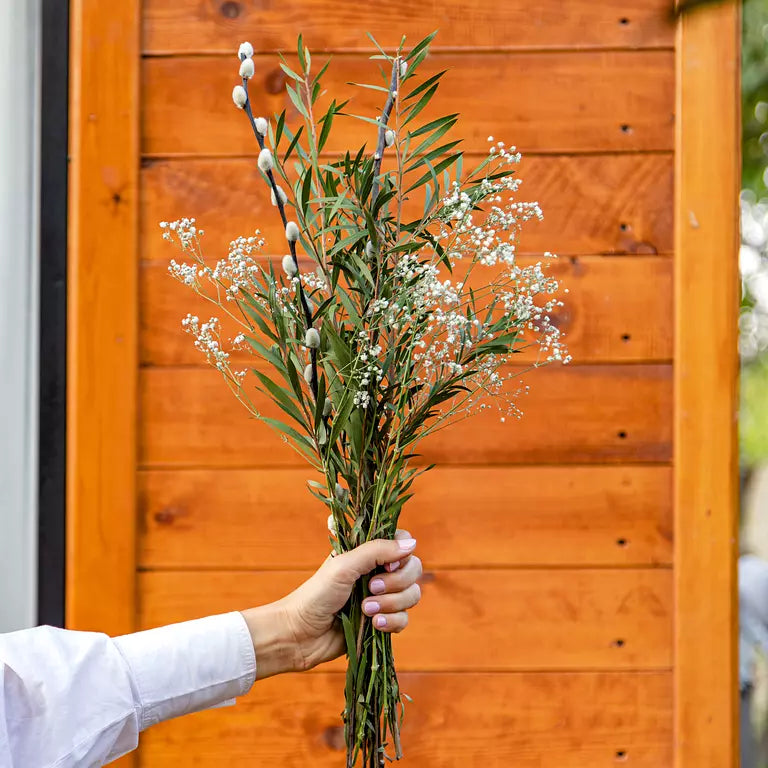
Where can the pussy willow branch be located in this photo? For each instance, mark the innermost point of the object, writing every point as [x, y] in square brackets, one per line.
[385, 113]
[291, 244]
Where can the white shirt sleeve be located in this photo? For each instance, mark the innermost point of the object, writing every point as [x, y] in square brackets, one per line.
[81, 698]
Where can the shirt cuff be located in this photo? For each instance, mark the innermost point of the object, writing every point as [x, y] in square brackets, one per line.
[187, 667]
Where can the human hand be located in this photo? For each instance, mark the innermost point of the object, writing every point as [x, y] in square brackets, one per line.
[301, 630]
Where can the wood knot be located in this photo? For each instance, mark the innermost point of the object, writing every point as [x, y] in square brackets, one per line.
[274, 81]
[333, 736]
[230, 9]
[167, 516]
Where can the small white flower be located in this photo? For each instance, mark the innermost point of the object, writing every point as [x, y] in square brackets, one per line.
[265, 162]
[292, 231]
[246, 68]
[308, 373]
[312, 338]
[239, 96]
[281, 196]
[289, 267]
[389, 138]
[245, 51]
[262, 125]
[403, 69]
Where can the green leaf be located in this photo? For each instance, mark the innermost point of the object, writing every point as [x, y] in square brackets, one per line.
[432, 174]
[282, 398]
[381, 50]
[372, 87]
[349, 637]
[420, 104]
[422, 45]
[288, 71]
[327, 123]
[293, 143]
[297, 102]
[423, 86]
[306, 188]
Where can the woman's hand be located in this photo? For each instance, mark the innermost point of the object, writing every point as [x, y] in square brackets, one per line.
[301, 630]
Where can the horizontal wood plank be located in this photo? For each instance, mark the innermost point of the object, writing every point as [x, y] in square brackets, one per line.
[592, 204]
[555, 720]
[616, 310]
[188, 26]
[462, 516]
[536, 619]
[573, 415]
[559, 102]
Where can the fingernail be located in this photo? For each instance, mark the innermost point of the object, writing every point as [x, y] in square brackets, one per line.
[406, 544]
[371, 608]
[377, 586]
[381, 622]
[392, 566]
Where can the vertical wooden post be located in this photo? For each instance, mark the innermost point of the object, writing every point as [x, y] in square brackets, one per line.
[706, 375]
[102, 315]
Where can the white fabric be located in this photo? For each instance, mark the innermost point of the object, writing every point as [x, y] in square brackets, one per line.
[81, 698]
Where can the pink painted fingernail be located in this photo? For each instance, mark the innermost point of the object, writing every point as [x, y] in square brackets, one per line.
[381, 622]
[371, 607]
[377, 586]
[406, 544]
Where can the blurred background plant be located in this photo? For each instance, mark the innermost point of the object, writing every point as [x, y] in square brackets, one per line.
[753, 257]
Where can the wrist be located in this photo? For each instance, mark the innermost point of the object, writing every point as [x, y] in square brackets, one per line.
[274, 644]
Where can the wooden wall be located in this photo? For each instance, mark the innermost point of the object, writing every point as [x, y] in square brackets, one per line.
[545, 637]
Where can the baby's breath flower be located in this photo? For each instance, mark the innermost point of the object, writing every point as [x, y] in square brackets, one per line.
[239, 96]
[265, 162]
[262, 125]
[289, 266]
[292, 231]
[245, 51]
[312, 338]
[246, 68]
[281, 196]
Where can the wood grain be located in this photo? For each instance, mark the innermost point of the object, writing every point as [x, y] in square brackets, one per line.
[187, 26]
[551, 720]
[573, 414]
[616, 310]
[592, 204]
[462, 516]
[102, 316]
[538, 619]
[559, 102]
[706, 388]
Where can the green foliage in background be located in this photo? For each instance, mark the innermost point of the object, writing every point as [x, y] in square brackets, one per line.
[754, 385]
[754, 89]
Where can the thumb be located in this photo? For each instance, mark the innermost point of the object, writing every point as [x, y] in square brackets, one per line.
[366, 557]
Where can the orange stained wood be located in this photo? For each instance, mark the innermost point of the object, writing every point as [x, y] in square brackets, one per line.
[506, 516]
[473, 720]
[522, 619]
[102, 316]
[551, 107]
[615, 310]
[605, 203]
[706, 453]
[178, 26]
[573, 414]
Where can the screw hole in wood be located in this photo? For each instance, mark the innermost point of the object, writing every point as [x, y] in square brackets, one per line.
[622, 435]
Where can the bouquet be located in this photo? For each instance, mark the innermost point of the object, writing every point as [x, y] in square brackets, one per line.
[394, 313]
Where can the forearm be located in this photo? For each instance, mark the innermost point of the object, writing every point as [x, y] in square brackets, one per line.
[273, 640]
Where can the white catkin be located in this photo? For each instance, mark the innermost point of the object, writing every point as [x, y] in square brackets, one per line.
[265, 161]
[308, 373]
[327, 407]
[389, 137]
[312, 338]
[292, 231]
[245, 51]
[262, 125]
[246, 68]
[332, 524]
[341, 493]
[403, 69]
[369, 249]
[289, 267]
[239, 96]
[281, 196]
